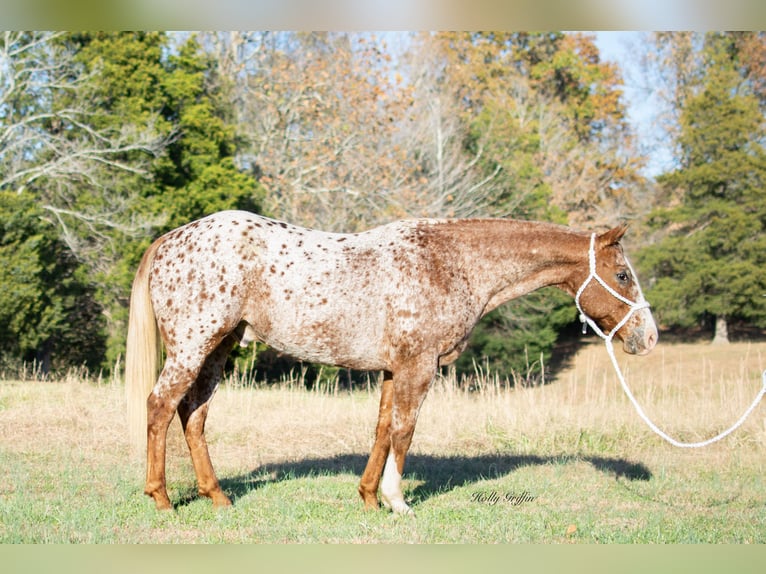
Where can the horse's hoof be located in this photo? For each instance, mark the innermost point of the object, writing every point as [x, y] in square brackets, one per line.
[162, 504]
[370, 499]
[398, 507]
[221, 501]
[160, 497]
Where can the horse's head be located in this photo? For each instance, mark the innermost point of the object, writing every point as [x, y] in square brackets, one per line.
[610, 298]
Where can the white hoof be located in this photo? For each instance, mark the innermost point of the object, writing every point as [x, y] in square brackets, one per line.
[397, 506]
[402, 509]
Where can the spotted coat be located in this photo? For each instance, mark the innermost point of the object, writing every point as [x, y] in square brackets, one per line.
[401, 298]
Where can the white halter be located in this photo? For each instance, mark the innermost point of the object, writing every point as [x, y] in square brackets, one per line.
[635, 306]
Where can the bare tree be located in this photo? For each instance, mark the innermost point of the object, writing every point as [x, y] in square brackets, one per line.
[449, 182]
[319, 112]
[50, 144]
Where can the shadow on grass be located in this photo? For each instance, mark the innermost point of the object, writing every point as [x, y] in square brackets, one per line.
[438, 474]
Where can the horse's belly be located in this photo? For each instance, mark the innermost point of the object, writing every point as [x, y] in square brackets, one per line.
[327, 346]
[350, 340]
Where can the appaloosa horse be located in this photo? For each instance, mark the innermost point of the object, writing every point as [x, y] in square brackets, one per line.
[402, 298]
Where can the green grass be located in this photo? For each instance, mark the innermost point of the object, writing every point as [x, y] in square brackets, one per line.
[587, 469]
[565, 500]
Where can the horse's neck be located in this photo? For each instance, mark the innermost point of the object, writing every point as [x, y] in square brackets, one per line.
[513, 258]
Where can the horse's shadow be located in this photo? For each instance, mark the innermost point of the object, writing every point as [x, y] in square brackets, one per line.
[435, 474]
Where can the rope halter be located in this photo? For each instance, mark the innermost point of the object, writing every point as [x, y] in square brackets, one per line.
[641, 303]
[633, 305]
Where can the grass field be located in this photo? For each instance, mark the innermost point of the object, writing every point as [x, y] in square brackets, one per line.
[569, 462]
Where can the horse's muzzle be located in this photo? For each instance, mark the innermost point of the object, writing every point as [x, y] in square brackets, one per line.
[641, 341]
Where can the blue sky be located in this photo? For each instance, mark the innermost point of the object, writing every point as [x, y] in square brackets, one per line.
[623, 49]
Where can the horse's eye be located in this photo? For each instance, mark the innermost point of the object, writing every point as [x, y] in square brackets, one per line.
[623, 277]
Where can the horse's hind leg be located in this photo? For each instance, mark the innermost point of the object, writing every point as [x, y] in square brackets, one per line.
[172, 385]
[193, 411]
[368, 486]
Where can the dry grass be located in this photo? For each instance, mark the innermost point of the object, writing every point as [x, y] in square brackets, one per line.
[580, 430]
[692, 391]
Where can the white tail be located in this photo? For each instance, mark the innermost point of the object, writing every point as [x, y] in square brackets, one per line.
[142, 356]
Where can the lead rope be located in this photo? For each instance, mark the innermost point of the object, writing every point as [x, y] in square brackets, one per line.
[635, 306]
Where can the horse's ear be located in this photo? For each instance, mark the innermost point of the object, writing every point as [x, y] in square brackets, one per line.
[613, 236]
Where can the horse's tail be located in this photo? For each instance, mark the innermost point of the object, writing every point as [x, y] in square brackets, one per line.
[142, 355]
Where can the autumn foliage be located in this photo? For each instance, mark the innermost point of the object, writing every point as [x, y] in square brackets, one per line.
[109, 139]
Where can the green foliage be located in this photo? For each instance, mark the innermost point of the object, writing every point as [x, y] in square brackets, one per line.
[46, 306]
[141, 78]
[510, 340]
[511, 153]
[198, 175]
[713, 262]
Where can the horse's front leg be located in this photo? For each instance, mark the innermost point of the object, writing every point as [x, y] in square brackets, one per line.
[368, 486]
[411, 384]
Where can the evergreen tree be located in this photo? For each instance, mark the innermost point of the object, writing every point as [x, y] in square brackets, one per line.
[115, 137]
[46, 303]
[143, 77]
[711, 266]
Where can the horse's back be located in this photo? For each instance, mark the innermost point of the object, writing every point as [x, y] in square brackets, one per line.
[327, 295]
[354, 300]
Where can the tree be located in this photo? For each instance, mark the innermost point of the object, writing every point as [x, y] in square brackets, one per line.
[549, 114]
[46, 302]
[711, 265]
[319, 113]
[58, 151]
[44, 101]
[545, 128]
[116, 137]
[145, 77]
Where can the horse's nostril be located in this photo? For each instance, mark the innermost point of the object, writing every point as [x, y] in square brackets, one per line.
[651, 341]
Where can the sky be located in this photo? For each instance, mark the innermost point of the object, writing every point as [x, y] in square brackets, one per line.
[621, 48]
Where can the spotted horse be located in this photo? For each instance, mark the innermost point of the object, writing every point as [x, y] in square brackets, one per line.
[402, 298]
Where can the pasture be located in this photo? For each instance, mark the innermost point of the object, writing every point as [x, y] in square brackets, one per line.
[568, 462]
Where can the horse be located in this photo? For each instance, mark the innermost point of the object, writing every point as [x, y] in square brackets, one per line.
[401, 298]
